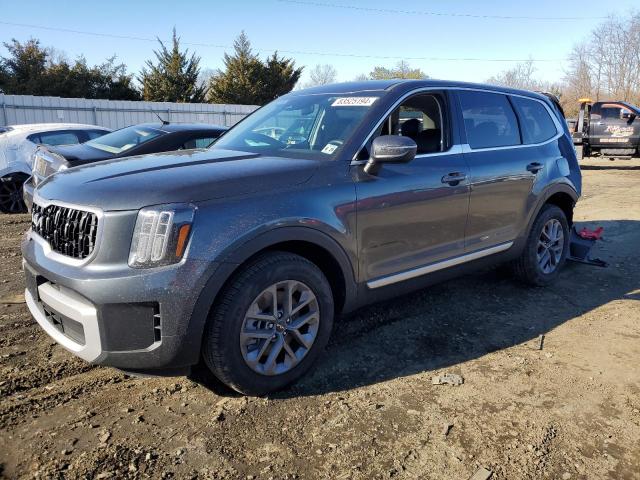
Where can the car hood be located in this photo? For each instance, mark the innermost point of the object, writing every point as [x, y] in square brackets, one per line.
[79, 154]
[173, 177]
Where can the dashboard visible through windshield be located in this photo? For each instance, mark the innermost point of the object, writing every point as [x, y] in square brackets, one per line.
[314, 126]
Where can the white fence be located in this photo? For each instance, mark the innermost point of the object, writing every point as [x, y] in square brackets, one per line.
[17, 109]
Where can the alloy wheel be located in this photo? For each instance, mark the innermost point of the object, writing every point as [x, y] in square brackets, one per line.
[550, 246]
[11, 200]
[279, 327]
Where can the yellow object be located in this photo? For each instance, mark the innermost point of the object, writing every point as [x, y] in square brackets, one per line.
[584, 100]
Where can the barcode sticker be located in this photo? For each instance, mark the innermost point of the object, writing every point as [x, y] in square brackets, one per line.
[354, 101]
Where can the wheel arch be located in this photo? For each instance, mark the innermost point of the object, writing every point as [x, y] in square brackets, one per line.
[560, 194]
[316, 246]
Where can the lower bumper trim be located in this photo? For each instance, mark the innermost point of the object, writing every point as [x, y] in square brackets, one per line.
[73, 306]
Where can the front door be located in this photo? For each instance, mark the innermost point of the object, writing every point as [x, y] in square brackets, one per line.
[412, 215]
[613, 126]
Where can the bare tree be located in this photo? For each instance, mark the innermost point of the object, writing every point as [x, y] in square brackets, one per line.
[521, 75]
[321, 75]
[607, 63]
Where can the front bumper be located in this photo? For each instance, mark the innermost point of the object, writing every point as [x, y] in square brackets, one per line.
[133, 319]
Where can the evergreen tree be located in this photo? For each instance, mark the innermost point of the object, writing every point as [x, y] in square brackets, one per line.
[30, 70]
[247, 80]
[24, 70]
[175, 76]
[240, 81]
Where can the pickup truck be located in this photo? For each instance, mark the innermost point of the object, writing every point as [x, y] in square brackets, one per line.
[607, 129]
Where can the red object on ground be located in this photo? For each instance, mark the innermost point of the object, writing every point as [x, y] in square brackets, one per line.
[591, 234]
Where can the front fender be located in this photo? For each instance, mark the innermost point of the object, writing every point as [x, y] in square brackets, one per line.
[14, 168]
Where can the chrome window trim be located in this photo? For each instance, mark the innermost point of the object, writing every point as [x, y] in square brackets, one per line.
[434, 267]
[466, 148]
[456, 149]
[46, 248]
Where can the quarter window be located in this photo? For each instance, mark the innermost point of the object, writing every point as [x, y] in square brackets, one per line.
[537, 126]
[198, 143]
[489, 120]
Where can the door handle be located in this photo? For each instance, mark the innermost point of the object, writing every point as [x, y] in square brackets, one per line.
[454, 178]
[535, 167]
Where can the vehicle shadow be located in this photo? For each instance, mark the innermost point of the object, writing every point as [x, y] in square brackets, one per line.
[465, 318]
[610, 167]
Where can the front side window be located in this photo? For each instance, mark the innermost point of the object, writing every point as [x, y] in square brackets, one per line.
[57, 138]
[489, 120]
[124, 139]
[535, 121]
[314, 126]
[421, 118]
[614, 111]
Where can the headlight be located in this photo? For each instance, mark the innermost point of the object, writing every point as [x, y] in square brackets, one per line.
[161, 235]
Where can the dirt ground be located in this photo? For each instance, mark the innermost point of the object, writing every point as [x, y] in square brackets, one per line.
[568, 411]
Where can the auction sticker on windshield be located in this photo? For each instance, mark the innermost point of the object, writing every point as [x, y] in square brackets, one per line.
[354, 101]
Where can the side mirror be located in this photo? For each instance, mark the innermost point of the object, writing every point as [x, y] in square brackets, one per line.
[390, 149]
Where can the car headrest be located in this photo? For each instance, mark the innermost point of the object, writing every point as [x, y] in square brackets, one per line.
[428, 141]
[410, 128]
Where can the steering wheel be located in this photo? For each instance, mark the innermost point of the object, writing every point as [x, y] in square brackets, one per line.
[262, 138]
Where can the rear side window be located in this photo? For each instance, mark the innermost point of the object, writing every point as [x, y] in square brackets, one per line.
[55, 138]
[489, 120]
[535, 121]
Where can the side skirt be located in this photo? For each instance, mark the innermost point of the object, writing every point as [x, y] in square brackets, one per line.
[434, 267]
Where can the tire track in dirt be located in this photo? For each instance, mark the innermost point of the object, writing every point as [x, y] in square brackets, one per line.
[19, 408]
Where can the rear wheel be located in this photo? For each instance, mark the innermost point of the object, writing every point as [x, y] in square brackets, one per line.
[270, 324]
[11, 200]
[546, 249]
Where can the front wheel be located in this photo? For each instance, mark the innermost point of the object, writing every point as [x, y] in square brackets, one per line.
[546, 249]
[271, 323]
[11, 200]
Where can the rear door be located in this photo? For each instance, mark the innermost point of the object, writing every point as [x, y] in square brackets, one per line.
[502, 172]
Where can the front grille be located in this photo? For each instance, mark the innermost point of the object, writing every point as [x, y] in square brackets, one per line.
[68, 231]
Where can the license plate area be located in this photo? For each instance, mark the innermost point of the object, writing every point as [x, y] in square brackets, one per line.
[40, 167]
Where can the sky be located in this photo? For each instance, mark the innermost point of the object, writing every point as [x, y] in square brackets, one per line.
[447, 40]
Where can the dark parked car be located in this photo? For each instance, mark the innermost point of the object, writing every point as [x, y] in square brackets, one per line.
[135, 140]
[241, 255]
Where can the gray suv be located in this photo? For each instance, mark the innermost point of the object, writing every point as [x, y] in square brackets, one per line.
[324, 200]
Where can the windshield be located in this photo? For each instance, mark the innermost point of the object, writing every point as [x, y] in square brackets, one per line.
[300, 126]
[124, 139]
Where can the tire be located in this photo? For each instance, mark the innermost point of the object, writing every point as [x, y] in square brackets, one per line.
[11, 200]
[528, 267]
[245, 305]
